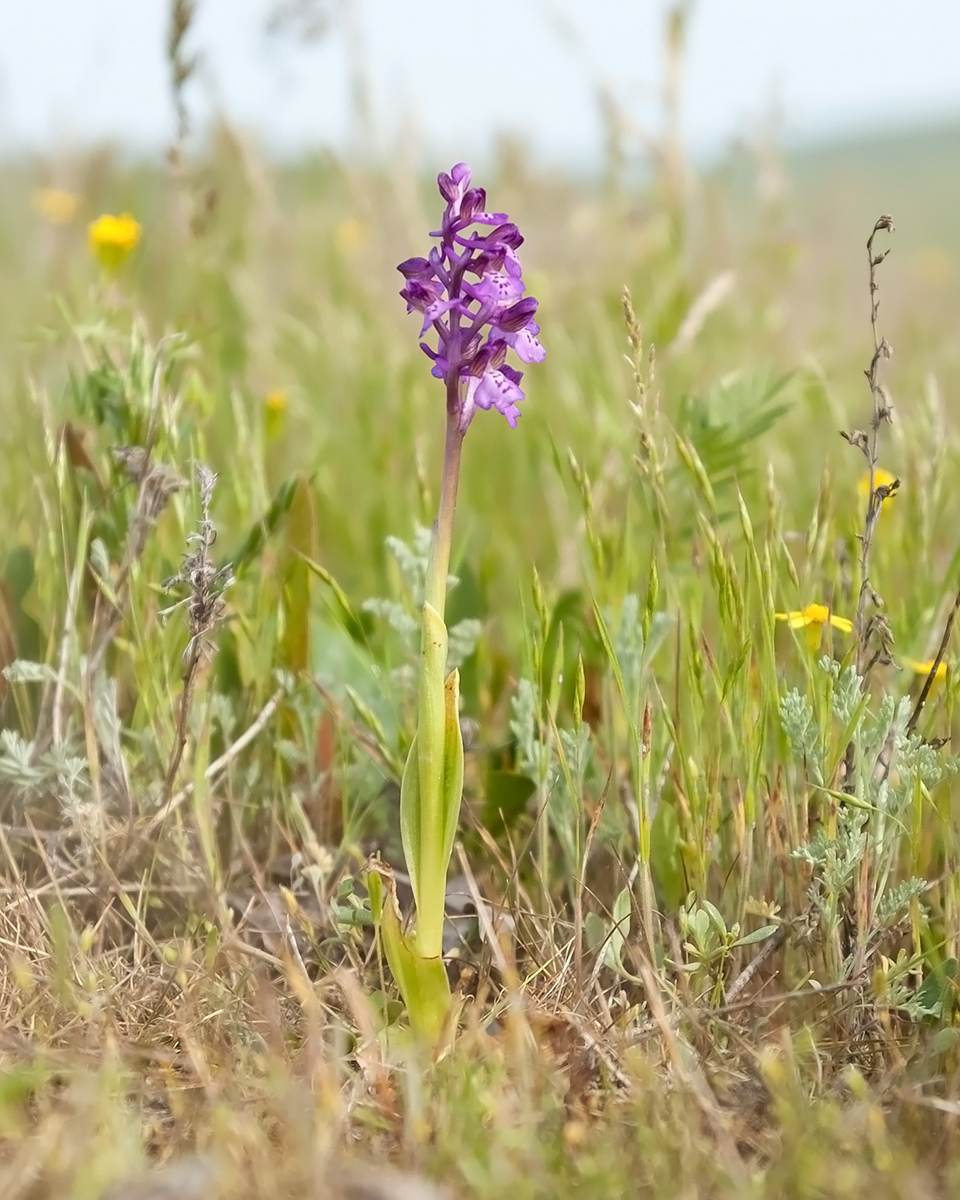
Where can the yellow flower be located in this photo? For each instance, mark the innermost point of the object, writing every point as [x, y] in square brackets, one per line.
[924, 668]
[813, 618]
[113, 240]
[351, 235]
[57, 206]
[815, 614]
[275, 404]
[881, 478]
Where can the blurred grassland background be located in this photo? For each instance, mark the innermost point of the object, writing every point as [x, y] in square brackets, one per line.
[290, 288]
[186, 981]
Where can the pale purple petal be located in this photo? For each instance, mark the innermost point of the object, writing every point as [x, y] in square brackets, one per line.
[497, 286]
[496, 390]
[435, 311]
[525, 343]
[453, 186]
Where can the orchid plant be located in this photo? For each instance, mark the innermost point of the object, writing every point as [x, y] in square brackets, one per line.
[470, 292]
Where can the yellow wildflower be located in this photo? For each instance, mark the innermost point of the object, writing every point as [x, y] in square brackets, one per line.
[351, 235]
[275, 404]
[113, 240]
[813, 618]
[881, 478]
[924, 668]
[56, 205]
[815, 614]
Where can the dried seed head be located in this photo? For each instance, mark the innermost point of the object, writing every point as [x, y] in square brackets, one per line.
[857, 437]
[133, 460]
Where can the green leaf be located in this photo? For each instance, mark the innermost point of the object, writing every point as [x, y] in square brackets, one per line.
[410, 814]
[935, 993]
[758, 935]
[716, 919]
[253, 544]
[422, 981]
[452, 766]
[299, 545]
[567, 615]
[622, 910]
[611, 935]
[429, 816]
[722, 426]
[348, 618]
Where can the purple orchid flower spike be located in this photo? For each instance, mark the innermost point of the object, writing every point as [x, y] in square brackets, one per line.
[470, 291]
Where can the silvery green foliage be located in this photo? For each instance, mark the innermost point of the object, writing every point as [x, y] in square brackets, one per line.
[291, 753]
[935, 998]
[109, 731]
[56, 769]
[565, 789]
[396, 615]
[917, 760]
[463, 638]
[837, 860]
[847, 689]
[889, 766]
[578, 751]
[100, 559]
[634, 652]
[897, 900]
[286, 680]
[223, 714]
[533, 755]
[106, 717]
[800, 726]
[21, 670]
[404, 618]
[561, 774]
[16, 763]
[413, 561]
[57, 772]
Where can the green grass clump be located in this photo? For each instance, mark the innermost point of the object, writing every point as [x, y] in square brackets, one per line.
[703, 916]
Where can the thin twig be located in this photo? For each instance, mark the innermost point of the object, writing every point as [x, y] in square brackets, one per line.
[773, 1000]
[20, 895]
[769, 948]
[205, 609]
[182, 65]
[867, 443]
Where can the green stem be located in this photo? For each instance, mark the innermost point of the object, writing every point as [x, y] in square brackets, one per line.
[432, 733]
[439, 567]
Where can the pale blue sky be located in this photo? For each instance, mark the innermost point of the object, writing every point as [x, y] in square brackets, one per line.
[457, 73]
